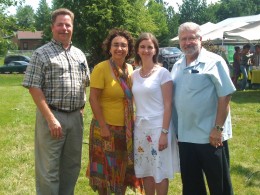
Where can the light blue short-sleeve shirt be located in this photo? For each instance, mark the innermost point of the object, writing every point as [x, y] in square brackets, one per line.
[197, 88]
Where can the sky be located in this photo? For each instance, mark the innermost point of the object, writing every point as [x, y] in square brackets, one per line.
[35, 3]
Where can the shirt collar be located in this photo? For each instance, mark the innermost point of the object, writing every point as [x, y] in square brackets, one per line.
[203, 58]
[60, 44]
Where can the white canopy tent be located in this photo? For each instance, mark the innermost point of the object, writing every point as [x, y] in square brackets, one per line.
[247, 33]
[216, 36]
[214, 32]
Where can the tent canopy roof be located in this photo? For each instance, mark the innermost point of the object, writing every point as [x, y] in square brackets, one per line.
[239, 25]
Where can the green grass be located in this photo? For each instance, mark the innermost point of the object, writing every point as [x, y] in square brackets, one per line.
[1, 61]
[17, 119]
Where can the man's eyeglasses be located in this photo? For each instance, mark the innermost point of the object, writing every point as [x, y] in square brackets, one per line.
[189, 39]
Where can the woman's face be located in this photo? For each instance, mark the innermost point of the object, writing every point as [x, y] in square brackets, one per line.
[119, 48]
[146, 50]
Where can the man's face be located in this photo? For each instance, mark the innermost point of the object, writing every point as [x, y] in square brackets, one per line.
[62, 29]
[190, 43]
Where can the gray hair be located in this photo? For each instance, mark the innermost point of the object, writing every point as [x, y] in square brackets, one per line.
[190, 26]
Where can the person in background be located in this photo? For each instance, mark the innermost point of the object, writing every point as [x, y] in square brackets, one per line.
[57, 78]
[111, 157]
[202, 92]
[236, 65]
[244, 65]
[256, 57]
[155, 157]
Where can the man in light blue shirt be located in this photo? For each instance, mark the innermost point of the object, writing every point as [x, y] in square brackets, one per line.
[201, 115]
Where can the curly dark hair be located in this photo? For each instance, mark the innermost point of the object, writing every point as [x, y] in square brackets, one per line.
[146, 36]
[114, 33]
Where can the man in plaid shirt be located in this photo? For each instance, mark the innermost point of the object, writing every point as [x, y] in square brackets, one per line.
[57, 78]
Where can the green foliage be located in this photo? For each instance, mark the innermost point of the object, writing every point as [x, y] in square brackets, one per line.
[236, 8]
[17, 120]
[43, 20]
[172, 22]
[5, 3]
[193, 10]
[25, 17]
[94, 18]
[7, 26]
[158, 12]
[42, 15]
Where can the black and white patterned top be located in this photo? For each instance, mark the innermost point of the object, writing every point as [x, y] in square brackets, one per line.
[62, 75]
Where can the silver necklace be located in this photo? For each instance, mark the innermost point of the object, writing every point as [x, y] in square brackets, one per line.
[148, 74]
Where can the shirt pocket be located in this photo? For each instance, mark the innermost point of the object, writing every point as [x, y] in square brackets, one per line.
[196, 81]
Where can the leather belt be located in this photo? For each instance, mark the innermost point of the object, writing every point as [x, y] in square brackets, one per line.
[61, 110]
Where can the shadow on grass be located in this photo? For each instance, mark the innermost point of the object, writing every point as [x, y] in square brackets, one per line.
[252, 177]
[250, 96]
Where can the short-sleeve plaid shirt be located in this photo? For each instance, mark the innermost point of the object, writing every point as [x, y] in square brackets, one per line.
[62, 75]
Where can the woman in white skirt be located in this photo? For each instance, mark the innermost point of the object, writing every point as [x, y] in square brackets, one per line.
[155, 147]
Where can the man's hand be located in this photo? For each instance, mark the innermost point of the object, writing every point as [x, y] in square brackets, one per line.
[55, 128]
[215, 138]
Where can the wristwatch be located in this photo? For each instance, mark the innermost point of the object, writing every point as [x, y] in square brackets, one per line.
[165, 131]
[219, 128]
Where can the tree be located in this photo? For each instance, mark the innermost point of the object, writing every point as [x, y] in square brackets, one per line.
[42, 20]
[211, 11]
[94, 18]
[193, 10]
[7, 26]
[236, 8]
[172, 22]
[42, 15]
[159, 17]
[25, 17]
[5, 3]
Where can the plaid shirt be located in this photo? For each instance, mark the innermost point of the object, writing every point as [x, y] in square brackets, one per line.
[62, 75]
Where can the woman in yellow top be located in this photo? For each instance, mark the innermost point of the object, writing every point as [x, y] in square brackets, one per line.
[111, 158]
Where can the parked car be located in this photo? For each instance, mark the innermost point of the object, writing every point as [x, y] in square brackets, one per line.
[14, 66]
[168, 56]
[11, 58]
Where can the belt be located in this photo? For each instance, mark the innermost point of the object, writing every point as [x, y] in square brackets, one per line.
[61, 110]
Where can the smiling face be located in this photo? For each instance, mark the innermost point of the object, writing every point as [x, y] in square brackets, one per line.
[62, 29]
[146, 50]
[119, 48]
[190, 43]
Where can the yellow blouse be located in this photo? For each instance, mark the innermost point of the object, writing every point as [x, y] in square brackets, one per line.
[112, 96]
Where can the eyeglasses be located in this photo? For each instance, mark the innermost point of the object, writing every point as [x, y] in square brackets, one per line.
[189, 39]
[122, 45]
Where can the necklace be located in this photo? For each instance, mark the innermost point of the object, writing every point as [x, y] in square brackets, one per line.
[147, 74]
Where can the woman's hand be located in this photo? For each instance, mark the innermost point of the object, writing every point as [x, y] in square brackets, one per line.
[104, 132]
[163, 141]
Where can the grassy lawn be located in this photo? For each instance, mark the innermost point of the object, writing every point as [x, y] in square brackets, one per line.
[17, 119]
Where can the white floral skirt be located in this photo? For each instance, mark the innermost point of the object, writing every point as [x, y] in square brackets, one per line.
[149, 161]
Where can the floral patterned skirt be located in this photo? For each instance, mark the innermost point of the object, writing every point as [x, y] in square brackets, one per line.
[149, 161]
[108, 161]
